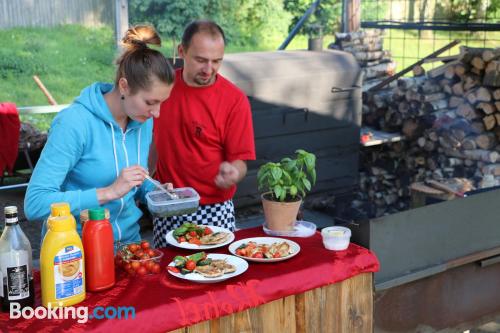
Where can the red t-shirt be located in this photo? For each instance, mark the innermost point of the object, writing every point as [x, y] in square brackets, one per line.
[198, 129]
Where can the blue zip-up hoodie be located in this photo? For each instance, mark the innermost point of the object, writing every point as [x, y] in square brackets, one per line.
[86, 149]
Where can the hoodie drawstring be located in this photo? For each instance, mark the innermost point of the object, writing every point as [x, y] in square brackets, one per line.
[122, 203]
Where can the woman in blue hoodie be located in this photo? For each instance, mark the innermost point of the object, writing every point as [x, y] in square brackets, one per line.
[97, 150]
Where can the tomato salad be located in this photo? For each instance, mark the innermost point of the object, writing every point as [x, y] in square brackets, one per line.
[191, 233]
[264, 251]
[138, 258]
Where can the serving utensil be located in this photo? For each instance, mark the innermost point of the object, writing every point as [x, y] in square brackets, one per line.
[171, 195]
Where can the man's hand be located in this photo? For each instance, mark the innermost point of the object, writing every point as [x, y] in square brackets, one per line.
[228, 175]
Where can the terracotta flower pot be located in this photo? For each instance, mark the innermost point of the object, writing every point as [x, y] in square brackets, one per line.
[280, 216]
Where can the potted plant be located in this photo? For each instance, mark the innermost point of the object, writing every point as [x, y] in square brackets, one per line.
[285, 184]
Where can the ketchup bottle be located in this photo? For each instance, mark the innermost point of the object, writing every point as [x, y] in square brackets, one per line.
[98, 246]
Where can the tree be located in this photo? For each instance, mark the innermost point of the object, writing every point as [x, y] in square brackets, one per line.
[245, 22]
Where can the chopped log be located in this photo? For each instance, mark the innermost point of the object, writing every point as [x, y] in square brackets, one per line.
[435, 105]
[497, 118]
[486, 140]
[375, 46]
[403, 107]
[475, 154]
[367, 56]
[469, 143]
[489, 122]
[449, 142]
[408, 82]
[383, 69]
[466, 111]
[496, 94]
[435, 72]
[458, 133]
[471, 81]
[449, 72]
[461, 69]
[410, 128]
[468, 53]
[487, 108]
[455, 101]
[497, 105]
[489, 55]
[492, 74]
[477, 71]
[432, 97]
[491, 169]
[478, 62]
[477, 127]
[421, 142]
[458, 89]
[429, 87]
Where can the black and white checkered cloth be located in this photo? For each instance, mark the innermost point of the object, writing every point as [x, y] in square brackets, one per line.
[219, 214]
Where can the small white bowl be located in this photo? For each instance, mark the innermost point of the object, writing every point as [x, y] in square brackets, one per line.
[336, 238]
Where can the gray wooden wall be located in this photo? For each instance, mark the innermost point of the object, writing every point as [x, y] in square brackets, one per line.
[47, 13]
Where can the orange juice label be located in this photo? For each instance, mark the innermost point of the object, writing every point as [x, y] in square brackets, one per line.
[68, 275]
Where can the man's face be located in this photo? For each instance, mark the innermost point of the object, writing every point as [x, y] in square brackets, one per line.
[202, 59]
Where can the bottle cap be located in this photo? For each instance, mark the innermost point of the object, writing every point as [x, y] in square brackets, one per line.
[60, 209]
[61, 223]
[96, 214]
[9, 210]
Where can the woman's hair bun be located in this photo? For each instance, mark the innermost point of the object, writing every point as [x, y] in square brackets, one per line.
[140, 36]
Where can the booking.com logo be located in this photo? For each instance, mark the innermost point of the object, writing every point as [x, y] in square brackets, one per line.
[81, 312]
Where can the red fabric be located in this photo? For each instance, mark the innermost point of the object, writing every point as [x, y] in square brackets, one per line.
[9, 142]
[164, 302]
[198, 129]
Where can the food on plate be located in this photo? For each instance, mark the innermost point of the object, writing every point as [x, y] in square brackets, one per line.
[264, 251]
[201, 264]
[138, 258]
[199, 235]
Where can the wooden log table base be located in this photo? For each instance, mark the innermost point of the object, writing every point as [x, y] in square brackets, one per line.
[344, 307]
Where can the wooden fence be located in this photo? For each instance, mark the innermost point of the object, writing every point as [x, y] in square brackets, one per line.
[47, 13]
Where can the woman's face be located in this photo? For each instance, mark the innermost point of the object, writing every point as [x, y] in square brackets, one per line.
[144, 104]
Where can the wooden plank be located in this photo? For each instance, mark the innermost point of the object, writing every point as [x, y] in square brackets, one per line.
[344, 307]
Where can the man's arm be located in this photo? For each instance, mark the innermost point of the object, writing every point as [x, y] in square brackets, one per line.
[230, 173]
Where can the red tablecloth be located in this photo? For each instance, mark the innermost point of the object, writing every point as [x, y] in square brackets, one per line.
[164, 302]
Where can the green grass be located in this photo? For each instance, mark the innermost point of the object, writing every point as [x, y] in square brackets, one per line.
[69, 58]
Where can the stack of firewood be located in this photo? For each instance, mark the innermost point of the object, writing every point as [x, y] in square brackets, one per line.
[450, 117]
[368, 48]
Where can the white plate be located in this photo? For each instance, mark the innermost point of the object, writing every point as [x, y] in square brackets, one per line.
[241, 266]
[265, 240]
[185, 245]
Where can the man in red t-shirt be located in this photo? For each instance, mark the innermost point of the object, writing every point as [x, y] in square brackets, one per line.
[204, 134]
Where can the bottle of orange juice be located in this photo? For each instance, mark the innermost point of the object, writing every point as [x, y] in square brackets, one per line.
[62, 267]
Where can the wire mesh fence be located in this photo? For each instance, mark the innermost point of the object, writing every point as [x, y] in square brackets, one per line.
[416, 28]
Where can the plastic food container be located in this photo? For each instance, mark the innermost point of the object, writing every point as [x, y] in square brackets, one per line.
[161, 204]
[336, 238]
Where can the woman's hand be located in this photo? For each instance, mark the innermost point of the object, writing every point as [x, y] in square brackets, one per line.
[128, 179]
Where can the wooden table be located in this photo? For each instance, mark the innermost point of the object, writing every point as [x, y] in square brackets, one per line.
[346, 306]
